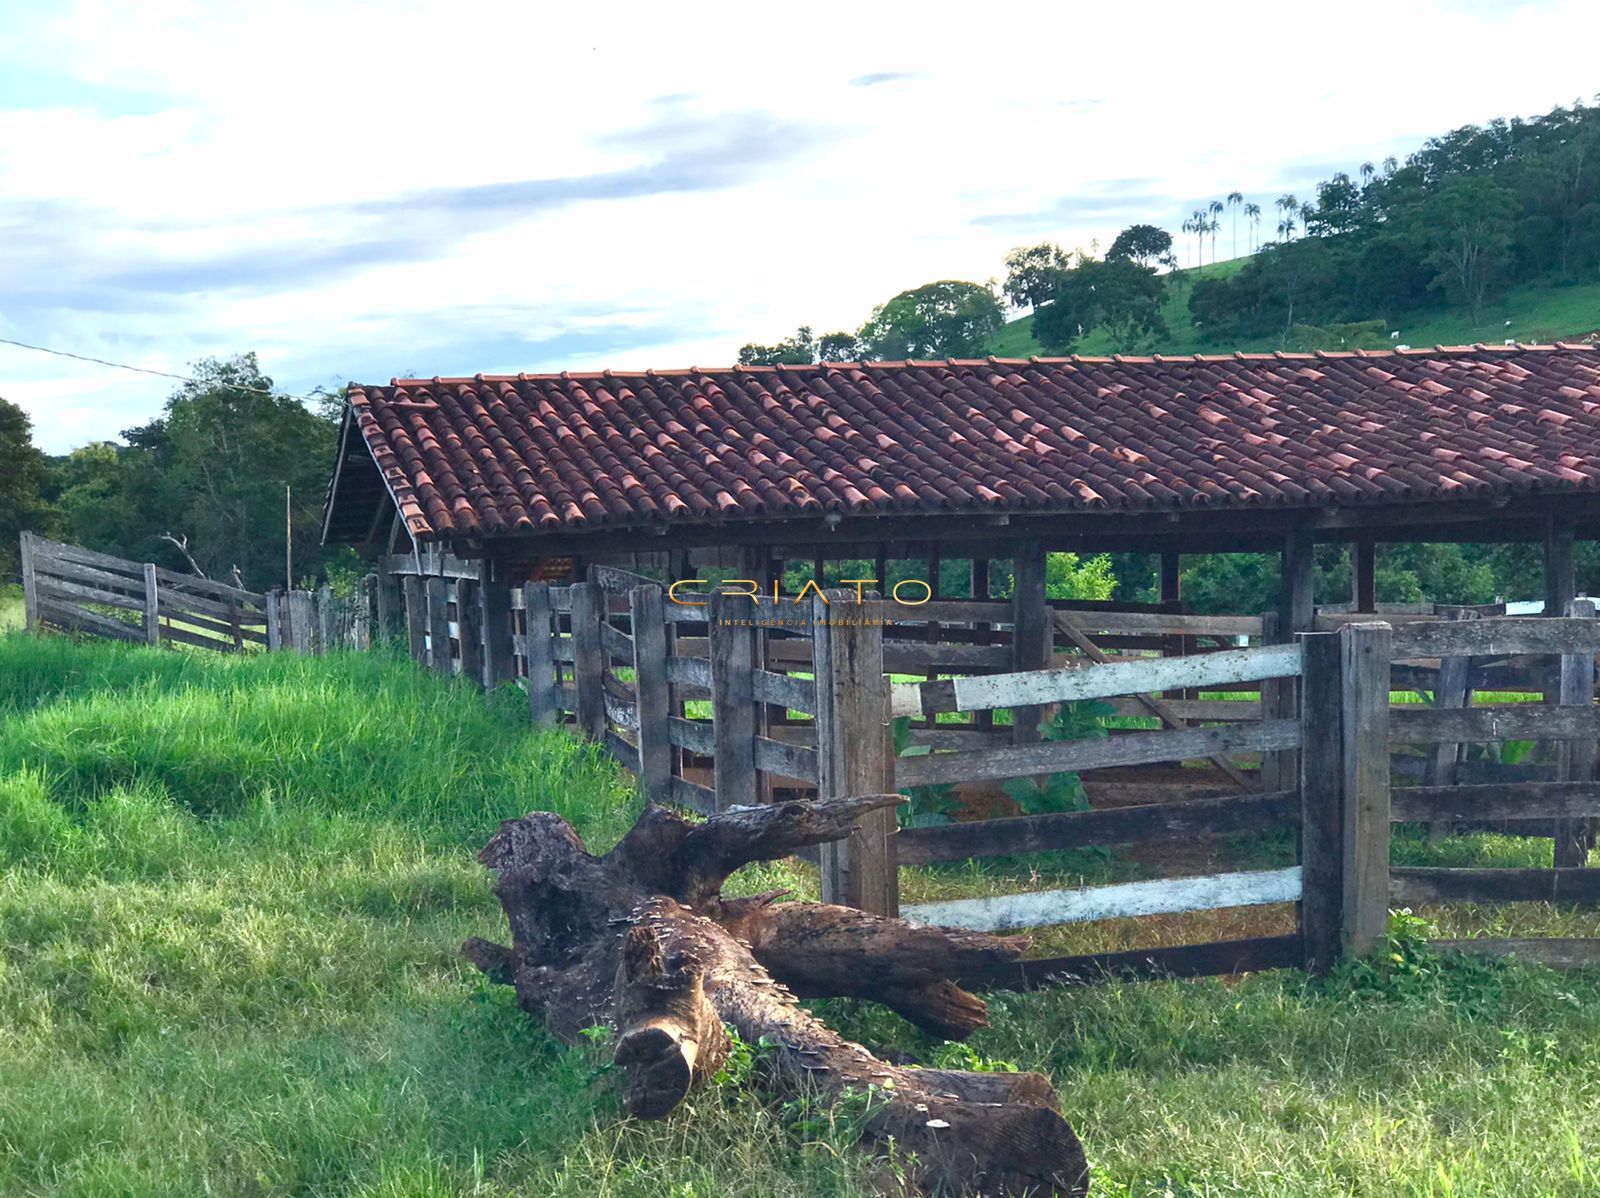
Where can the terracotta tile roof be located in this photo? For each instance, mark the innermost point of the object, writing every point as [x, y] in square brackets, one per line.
[524, 454]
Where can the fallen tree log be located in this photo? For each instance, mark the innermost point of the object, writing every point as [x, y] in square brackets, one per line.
[642, 941]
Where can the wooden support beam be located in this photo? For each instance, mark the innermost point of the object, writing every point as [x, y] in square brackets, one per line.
[1296, 596]
[469, 629]
[1576, 758]
[1363, 574]
[30, 588]
[645, 605]
[1171, 575]
[152, 606]
[1451, 690]
[439, 656]
[1032, 632]
[498, 662]
[855, 756]
[1560, 578]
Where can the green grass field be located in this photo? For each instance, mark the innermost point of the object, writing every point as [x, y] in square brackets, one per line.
[11, 614]
[231, 892]
[1537, 314]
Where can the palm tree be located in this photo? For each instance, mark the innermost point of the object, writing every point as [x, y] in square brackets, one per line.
[1234, 200]
[1308, 213]
[1252, 213]
[1367, 171]
[1197, 226]
[1215, 208]
[1289, 206]
[1390, 165]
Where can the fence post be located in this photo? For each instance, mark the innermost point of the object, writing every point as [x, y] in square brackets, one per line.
[646, 608]
[274, 620]
[391, 607]
[439, 625]
[416, 619]
[855, 753]
[1365, 652]
[1450, 690]
[588, 659]
[539, 653]
[30, 587]
[731, 641]
[1573, 837]
[496, 619]
[302, 616]
[152, 606]
[469, 632]
[327, 635]
[1321, 797]
[1277, 703]
[1032, 636]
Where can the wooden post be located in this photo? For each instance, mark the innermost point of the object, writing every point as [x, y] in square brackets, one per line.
[1031, 631]
[755, 562]
[439, 625]
[1170, 576]
[1364, 574]
[1321, 798]
[1560, 579]
[274, 620]
[646, 607]
[469, 630]
[152, 606]
[1278, 769]
[1296, 600]
[981, 632]
[1365, 654]
[302, 622]
[498, 665]
[30, 585]
[327, 634]
[1574, 837]
[540, 653]
[589, 659]
[416, 619]
[391, 612]
[732, 644]
[855, 755]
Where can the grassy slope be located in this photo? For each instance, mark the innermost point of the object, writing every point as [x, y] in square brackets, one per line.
[230, 893]
[1537, 314]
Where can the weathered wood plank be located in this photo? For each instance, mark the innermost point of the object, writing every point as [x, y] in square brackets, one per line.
[733, 647]
[469, 629]
[689, 671]
[54, 588]
[1497, 636]
[1179, 961]
[439, 656]
[1322, 794]
[70, 617]
[1043, 908]
[654, 698]
[1114, 825]
[618, 581]
[589, 661]
[1412, 885]
[945, 736]
[131, 582]
[541, 661]
[1097, 682]
[1366, 651]
[1512, 721]
[694, 735]
[780, 757]
[626, 754]
[184, 636]
[854, 757]
[206, 588]
[1504, 800]
[45, 550]
[621, 712]
[30, 593]
[796, 694]
[1136, 748]
[616, 642]
[1032, 637]
[694, 796]
[1553, 952]
[1576, 757]
[495, 614]
[1204, 710]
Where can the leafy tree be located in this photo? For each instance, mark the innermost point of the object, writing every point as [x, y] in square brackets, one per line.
[1471, 224]
[838, 347]
[1147, 245]
[948, 319]
[22, 478]
[800, 349]
[1116, 294]
[1032, 272]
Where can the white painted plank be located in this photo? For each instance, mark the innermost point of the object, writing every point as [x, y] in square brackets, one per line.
[1166, 896]
[1107, 681]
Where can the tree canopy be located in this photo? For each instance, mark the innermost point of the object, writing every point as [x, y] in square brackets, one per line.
[948, 319]
[22, 478]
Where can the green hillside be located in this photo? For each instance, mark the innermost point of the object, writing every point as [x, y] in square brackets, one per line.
[1537, 313]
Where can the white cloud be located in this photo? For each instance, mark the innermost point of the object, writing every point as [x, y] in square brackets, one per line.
[221, 177]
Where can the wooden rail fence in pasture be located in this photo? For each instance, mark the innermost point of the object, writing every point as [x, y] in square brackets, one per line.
[725, 700]
[70, 589]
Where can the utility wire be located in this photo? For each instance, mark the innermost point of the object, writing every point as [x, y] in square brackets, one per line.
[162, 374]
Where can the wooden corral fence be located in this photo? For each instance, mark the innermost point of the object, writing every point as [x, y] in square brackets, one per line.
[67, 588]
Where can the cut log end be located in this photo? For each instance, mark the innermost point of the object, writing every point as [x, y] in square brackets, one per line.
[660, 1065]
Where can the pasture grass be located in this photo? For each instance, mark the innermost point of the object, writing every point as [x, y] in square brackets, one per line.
[231, 890]
[11, 612]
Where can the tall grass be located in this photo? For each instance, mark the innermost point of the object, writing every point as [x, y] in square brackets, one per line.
[230, 895]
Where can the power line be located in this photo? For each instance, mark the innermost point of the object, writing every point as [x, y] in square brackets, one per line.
[161, 374]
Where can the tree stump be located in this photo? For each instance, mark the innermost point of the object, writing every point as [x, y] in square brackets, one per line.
[642, 941]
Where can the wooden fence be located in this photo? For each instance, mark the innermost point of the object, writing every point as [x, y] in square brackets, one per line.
[70, 589]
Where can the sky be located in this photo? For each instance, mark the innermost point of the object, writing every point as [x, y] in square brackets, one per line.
[357, 191]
